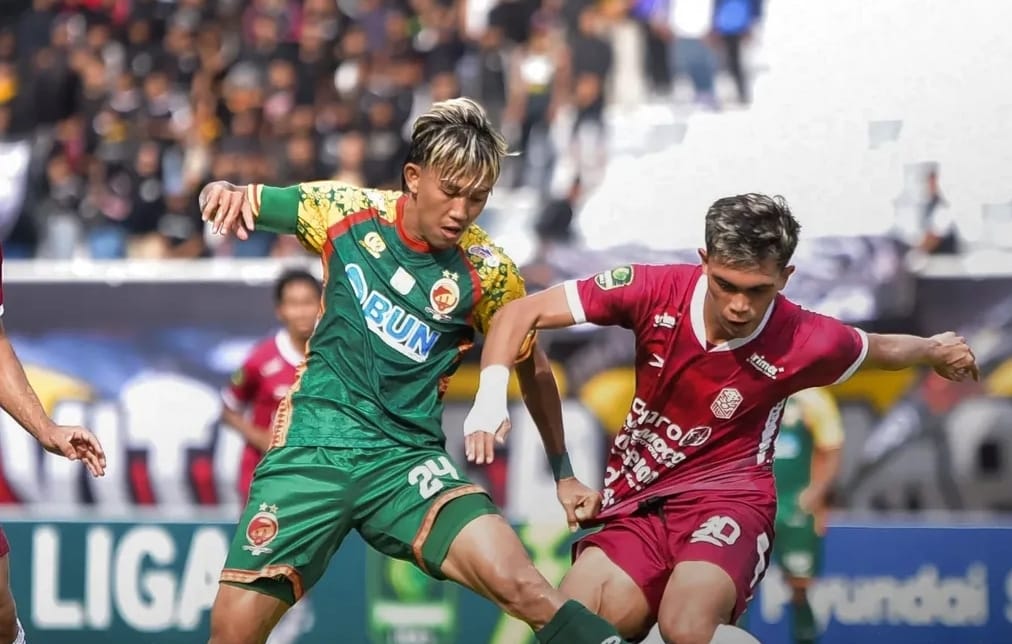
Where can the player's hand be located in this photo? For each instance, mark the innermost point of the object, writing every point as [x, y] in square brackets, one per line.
[810, 500]
[479, 444]
[76, 444]
[488, 422]
[228, 210]
[952, 357]
[580, 502]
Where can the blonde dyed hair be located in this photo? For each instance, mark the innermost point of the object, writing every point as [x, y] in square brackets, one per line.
[457, 139]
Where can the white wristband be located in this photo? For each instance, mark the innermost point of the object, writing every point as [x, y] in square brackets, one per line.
[490, 402]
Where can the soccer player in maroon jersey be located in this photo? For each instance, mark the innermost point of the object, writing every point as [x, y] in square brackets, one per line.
[18, 399]
[263, 380]
[686, 522]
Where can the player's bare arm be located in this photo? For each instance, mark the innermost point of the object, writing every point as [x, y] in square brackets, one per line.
[19, 400]
[825, 466]
[947, 353]
[252, 434]
[505, 339]
[509, 329]
[548, 309]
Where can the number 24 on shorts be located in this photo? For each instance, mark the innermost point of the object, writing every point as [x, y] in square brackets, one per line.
[426, 476]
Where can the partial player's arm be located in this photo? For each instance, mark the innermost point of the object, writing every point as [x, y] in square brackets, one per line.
[947, 353]
[235, 398]
[835, 351]
[822, 417]
[613, 297]
[19, 400]
[306, 210]
[503, 286]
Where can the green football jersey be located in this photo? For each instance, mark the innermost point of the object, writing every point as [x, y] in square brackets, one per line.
[397, 315]
[811, 419]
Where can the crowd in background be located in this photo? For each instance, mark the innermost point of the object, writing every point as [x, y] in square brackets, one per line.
[113, 113]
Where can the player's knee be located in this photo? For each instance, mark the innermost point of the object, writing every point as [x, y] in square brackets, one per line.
[687, 627]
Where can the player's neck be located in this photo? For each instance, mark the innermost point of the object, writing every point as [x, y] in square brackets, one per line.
[409, 224]
[297, 340]
[715, 333]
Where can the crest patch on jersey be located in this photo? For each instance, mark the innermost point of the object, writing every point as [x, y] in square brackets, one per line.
[444, 298]
[615, 278]
[726, 403]
[487, 255]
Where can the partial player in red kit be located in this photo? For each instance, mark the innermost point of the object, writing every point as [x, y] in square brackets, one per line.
[18, 399]
[687, 510]
[263, 380]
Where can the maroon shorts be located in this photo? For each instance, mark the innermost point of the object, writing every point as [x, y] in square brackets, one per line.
[729, 532]
[5, 546]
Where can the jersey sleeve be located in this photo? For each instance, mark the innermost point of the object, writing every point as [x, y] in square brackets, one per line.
[308, 210]
[833, 351]
[615, 297]
[822, 417]
[500, 280]
[242, 386]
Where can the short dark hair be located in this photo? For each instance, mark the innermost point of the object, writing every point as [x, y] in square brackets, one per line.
[745, 230]
[293, 276]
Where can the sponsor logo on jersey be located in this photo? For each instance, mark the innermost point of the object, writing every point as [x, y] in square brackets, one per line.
[373, 244]
[488, 256]
[656, 361]
[261, 530]
[399, 329]
[764, 366]
[444, 296]
[695, 437]
[665, 320]
[726, 403]
[615, 278]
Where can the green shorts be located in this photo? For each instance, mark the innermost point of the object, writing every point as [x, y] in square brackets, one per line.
[797, 548]
[406, 502]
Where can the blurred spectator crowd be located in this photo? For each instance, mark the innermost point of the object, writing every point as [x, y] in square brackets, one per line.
[113, 113]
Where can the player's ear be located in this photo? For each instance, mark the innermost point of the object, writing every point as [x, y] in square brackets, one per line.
[702, 257]
[785, 274]
[412, 176]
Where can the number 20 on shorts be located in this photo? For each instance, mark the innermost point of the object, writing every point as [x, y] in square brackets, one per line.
[426, 476]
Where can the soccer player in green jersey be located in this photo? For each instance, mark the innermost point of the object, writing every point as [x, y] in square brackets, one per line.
[358, 443]
[806, 461]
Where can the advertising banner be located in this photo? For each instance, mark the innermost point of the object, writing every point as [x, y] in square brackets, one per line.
[912, 583]
[149, 582]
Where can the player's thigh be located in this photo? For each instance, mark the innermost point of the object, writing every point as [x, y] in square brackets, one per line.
[246, 614]
[620, 571]
[421, 508]
[797, 550]
[297, 515]
[721, 553]
[405, 497]
[607, 590]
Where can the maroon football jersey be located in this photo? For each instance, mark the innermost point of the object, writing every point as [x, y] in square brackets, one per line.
[258, 386]
[704, 416]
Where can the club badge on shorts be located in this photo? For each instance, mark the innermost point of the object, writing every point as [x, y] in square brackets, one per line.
[262, 529]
